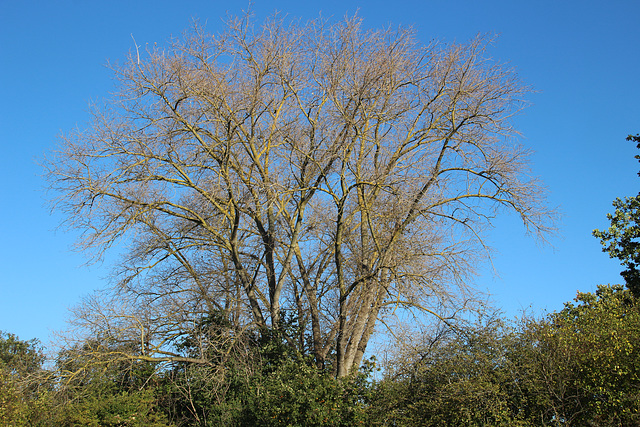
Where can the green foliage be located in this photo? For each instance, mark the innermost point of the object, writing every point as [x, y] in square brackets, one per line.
[12, 403]
[97, 387]
[19, 357]
[463, 377]
[124, 409]
[203, 395]
[543, 370]
[98, 365]
[18, 408]
[621, 239]
[260, 378]
[24, 385]
[602, 334]
[578, 366]
[297, 394]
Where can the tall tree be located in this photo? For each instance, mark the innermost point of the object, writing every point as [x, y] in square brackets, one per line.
[621, 239]
[321, 169]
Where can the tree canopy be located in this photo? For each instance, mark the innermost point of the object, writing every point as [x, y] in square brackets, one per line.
[577, 366]
[323, 170]
[622, 239]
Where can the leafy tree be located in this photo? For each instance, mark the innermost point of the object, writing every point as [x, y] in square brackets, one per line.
[259, 379]
[22, 379]
[621, 239]
[602, 332]
[577, 366]
[297, 394]
[111, 409]
[544, 374]
[216, 392]
[19, 357]
[339, 173]
[462, 376]
[96, 386]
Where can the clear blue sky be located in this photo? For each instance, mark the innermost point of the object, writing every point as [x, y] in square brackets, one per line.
[582, 57]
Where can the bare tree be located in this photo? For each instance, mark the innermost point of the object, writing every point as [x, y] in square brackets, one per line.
[338, 173]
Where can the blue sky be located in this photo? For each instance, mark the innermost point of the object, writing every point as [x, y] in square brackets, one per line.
[581, 57]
